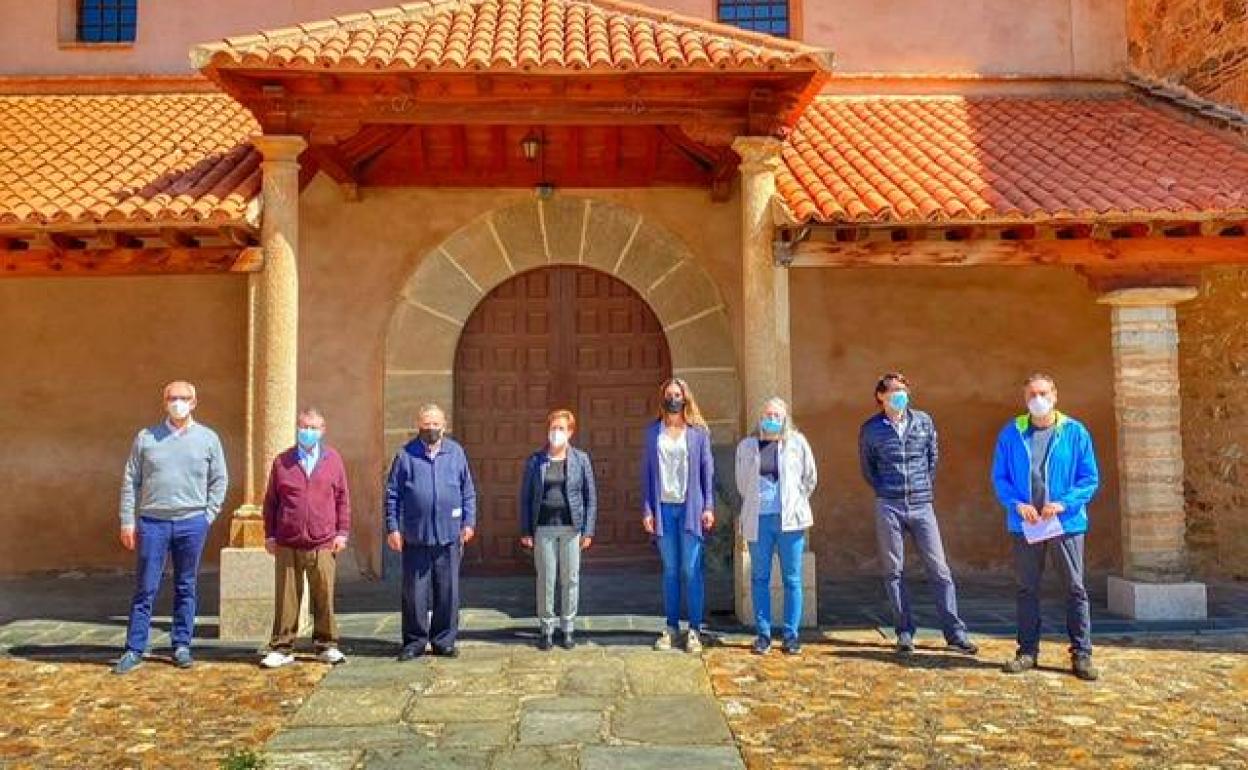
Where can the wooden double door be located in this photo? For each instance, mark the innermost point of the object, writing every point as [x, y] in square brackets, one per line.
[558, 337]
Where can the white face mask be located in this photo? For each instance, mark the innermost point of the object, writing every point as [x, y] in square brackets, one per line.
[179, 408]
[1039, 406]
[558, 438]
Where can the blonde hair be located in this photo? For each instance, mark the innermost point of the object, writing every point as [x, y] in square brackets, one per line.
[691, 412]
[562, 414]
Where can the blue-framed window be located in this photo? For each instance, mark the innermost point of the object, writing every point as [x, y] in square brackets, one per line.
[107, 21]
[770, 16]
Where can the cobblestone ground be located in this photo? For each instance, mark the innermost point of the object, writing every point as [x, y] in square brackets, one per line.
[79, 715]
[850, 702]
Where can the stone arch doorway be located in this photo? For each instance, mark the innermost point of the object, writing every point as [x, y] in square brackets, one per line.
[435, 305]
[560, 336]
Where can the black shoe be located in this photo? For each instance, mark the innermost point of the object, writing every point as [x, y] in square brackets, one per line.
[545, 642]
[905, 643]
[446, 652]
[1020, 663]
[1083, 668]
[761, 646]
[792, 646]
[567, 642]
[965, 646]
[411, 652]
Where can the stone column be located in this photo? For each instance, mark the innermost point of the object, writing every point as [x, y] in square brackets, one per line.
[273, 341]
[1150, 458]
[765, 349]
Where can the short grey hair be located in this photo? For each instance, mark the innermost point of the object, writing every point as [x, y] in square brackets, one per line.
[311, 411]
[164, 392]
[428, 407]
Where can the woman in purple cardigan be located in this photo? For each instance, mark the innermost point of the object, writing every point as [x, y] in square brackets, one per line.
[678, 483]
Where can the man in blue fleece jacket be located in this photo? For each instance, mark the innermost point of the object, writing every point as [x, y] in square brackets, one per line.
[1044, 468]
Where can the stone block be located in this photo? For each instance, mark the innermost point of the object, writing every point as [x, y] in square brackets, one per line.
[420, 340]
[745, 604]
[650, 720]
[661, 758]
[1157, 601]
[247, 591]
[564, 221]
[476, 251]
[653, 252]
[519, 230]
[549, 728]
[440, 285]
[607, 233]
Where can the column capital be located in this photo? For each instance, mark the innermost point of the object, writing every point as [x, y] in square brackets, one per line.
[758, 153]
[1149, 296]
[279, 147]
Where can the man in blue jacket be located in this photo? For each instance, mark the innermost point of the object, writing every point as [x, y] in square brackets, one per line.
[1044, 471]
[898, 451]
[431, 512]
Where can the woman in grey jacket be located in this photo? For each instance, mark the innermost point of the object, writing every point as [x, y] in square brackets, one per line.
[558, 508]
[776, 475]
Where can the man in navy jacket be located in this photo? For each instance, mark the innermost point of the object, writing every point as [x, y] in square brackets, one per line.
[898, 451]
[431, 512]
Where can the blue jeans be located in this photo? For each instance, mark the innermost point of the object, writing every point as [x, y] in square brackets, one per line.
[157, 540]
[1029, 569]
[893, 519]
[772, 538]
[682, 567]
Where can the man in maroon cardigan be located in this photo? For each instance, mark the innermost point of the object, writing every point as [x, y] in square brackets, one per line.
[307, 518]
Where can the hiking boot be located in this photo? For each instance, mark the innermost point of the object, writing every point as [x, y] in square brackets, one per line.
[664, 642]
[1083, 668]
[128, 662]
[792, 646]
[1019, 663]
[761, 646]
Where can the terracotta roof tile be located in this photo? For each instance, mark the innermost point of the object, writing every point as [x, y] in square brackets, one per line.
[949, 159]
[142, 158]
[450, 35]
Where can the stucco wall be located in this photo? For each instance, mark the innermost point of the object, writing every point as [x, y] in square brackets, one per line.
[1213, 360]
[82, 362]
[356, 259]
[966, 338]
[1198, 44]
[944, 36]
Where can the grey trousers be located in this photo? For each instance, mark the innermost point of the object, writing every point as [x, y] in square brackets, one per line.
[557, 549]
[893, 519]
[1029, 568]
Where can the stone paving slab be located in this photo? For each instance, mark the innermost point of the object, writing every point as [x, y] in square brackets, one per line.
[661, 758]
[670, 720]
[350, 707]
[561, 728]
[315, 760]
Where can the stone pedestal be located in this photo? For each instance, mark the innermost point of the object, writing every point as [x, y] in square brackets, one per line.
[744, 602]
[1155, 585]
[247, 584]
[272, 368]
[1158, 601]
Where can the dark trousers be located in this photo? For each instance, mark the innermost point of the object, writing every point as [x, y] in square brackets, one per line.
[431, 572]
[1029, 561]
[893, 519]
[159, 539]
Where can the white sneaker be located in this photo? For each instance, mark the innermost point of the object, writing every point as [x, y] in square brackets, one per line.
[277, 659]
[693, 645]
[664, 642]
[331, 655]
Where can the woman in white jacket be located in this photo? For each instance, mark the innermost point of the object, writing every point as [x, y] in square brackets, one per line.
[776, 476]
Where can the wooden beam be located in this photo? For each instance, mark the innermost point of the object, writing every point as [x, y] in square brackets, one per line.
[612, 144]
[1177, 252]
[572, 152]
[459, 148]
[44, 263]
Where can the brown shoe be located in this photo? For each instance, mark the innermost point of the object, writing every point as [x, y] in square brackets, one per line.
[1020, 663]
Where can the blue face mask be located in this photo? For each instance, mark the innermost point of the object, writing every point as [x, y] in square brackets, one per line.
[309, 437]
[770, 425]
[899, 400]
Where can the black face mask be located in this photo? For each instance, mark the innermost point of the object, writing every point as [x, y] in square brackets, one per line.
[430, 436]
[674, 405]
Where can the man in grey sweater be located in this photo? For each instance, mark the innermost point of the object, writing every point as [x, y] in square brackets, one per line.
[173, 488]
